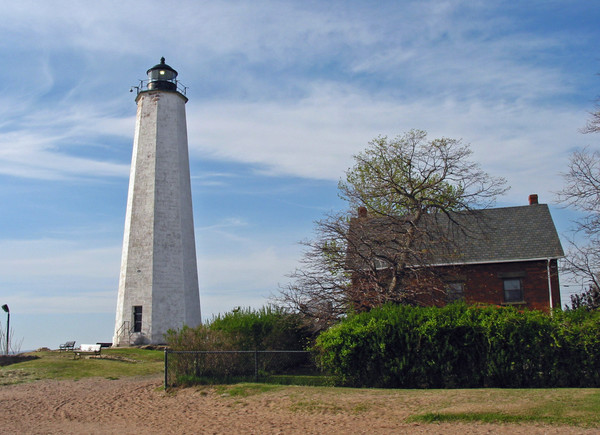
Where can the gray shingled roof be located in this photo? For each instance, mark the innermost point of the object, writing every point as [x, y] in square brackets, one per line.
[509, 234]
[479, 236]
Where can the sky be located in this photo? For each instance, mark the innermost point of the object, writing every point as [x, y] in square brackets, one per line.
[281, 95]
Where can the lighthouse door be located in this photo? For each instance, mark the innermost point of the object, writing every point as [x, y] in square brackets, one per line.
[137, 318]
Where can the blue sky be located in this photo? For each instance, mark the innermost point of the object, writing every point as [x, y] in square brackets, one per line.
[281, 95]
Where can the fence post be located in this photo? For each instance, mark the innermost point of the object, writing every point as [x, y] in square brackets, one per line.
[166, 368]
[255, 365]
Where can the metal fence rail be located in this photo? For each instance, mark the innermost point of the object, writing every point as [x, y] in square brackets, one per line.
[233, 364]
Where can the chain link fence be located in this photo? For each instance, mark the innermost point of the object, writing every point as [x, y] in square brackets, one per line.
[184, 368]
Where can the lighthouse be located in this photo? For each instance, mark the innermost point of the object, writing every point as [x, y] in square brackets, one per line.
[158, 282]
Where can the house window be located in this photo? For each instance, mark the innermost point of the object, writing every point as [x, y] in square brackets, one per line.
[137, 318]
[455, 291]
[513, 290]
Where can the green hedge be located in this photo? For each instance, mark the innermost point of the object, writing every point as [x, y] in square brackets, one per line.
[463, 346]
[267, 328]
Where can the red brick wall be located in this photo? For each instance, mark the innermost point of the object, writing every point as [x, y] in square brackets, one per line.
[484, 283]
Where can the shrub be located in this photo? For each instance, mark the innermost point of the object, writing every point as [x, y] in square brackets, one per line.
[268, 328]
[202, 338]
[579, 347]
[463, 346]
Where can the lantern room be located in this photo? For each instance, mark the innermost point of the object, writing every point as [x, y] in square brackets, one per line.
[162, 77]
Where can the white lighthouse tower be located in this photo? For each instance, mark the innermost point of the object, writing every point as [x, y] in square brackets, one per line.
[158, 283]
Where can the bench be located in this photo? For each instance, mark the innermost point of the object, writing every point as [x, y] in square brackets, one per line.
[88, 349]
[105, 344]
[69, 345]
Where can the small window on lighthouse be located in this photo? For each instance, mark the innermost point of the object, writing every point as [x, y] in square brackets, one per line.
[137, 318]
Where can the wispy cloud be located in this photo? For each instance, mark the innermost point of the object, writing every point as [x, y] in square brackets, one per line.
[59, 275]
[316, 137]
[214, 179]
[31, 302]
[227, 223]
[58, 144]
[29, 157]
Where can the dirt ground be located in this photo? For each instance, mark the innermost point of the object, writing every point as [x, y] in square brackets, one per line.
[139, 405]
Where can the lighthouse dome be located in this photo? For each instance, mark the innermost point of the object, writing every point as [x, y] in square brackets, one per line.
[162, 77]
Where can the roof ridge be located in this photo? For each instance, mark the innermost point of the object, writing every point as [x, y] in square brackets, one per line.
[512, 206]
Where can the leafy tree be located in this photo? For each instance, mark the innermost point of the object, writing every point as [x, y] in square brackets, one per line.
[410, 175]
[399, 191]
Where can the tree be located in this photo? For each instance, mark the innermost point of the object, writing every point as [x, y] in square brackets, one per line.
[593, 124]
[589, 299]
[319, 291]
[14, 344]
[582, 192]
[404, 196]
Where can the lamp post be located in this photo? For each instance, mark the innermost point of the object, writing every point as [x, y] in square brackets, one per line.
[5, 308]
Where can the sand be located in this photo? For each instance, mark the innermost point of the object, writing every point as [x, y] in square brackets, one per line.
[140, 406]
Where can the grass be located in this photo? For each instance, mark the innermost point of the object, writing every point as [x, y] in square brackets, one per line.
[308, 380]
[315, 406]
[489, 417]
[112, 364]
[553, 406]
[244, 390]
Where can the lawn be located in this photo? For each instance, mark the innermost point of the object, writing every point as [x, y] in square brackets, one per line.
[554, 407]
[112, 364]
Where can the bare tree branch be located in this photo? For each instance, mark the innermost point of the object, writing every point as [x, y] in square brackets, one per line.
[582, 192]
[412, 189]
[593, 124]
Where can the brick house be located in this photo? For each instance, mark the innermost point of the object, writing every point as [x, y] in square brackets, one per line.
[508, 257]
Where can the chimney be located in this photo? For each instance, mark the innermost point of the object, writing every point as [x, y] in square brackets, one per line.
[362, 212]
[533, 199]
